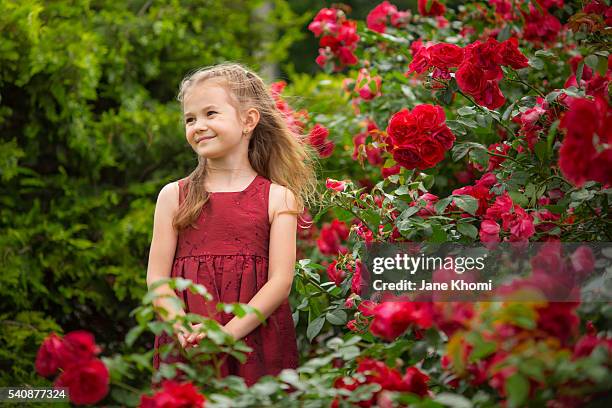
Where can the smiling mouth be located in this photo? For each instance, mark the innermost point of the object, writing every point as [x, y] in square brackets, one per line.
[199, 139]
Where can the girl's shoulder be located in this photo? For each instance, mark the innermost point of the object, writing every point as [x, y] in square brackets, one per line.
[172, 191]
[281, 199]
[168, 196]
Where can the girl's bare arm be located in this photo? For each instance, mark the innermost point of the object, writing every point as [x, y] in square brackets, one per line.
[163, 247]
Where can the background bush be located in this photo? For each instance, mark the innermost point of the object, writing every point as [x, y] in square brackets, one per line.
[90, 131]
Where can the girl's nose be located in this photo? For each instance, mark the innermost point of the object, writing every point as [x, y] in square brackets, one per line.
[201, 125]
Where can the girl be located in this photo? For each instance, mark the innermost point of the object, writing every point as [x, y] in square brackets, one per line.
[231, 224]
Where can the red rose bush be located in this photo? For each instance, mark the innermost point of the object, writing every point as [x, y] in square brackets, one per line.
[74, 357]
[481, 123]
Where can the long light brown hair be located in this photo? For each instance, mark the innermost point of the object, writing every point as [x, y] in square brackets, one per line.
[275, 151]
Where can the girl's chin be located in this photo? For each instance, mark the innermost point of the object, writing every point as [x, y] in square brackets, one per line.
[210, 153]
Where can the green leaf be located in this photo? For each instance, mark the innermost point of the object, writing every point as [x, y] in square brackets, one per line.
[408, 212]
[125, 397]
[337, 317]
[133, 334]
[438, 235]
[602, 66]
[453, 400]
[314, 327]
[504, 33]
[591, 61]
[518, 198]
[441, 205]
[551, 134]
[467, 229]
[428, 181]
[536, 63]
[541, 150]
[461, 149]
[402, 190]
[517, 389]
[182, 284]
[466, 111]
[544, 53]
[467, 122]
[445, 96]
[508, 111]
[579, 72]
[467, 203]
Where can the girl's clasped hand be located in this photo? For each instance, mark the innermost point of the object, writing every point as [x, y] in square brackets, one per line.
[189, 338]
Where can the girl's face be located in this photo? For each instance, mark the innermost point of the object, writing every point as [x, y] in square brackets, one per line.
[212, 125]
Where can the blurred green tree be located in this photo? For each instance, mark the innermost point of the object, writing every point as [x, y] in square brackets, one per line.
[89, 132]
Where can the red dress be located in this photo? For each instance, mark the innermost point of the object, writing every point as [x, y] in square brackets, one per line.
[228, 254]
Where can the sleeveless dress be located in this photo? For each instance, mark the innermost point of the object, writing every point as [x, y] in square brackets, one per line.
[228, 254]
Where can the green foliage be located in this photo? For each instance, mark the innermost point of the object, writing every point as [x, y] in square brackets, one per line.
[90, 133]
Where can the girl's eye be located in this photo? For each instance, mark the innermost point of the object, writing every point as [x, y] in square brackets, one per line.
[212, 113]
[188, 120]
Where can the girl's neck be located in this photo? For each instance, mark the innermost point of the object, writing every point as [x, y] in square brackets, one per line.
[228, 179]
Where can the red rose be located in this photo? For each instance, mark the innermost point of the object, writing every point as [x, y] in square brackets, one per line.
[331, 237]
[348, 33]
[340, 229]
[431, 7]
[334, 274]
[367, 87]
[87, 382]
[420, 61]
[48, 358]
[479, 192]
[429, 200]
[444, 137]
[558, 319]
[352, 325]
[587, 122]
[318, 134]
[321, 58]
[428, 117]
[356, 281]
[402, 128]
[377, 372]
[541, 26]
[445, 55]
[486, 57]
[407, 156]
[389, 171]
[335, 185]
[174, 395]
[503, 204]
[377, 18]
[367, 307]
[318, 139]
[79, 346]
[419, 138]
[583, 261]
[324, 21]
[489, 231]
[326, 149]
[587, 343]
[495, 161]
[518, 223]
[490, 95]
[432, 153]
[346, 56]
[364, 232]
[416, 381]
[391, 319]
[511, 55]
[470, 78]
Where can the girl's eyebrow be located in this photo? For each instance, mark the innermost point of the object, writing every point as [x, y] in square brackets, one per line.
[204, 108]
